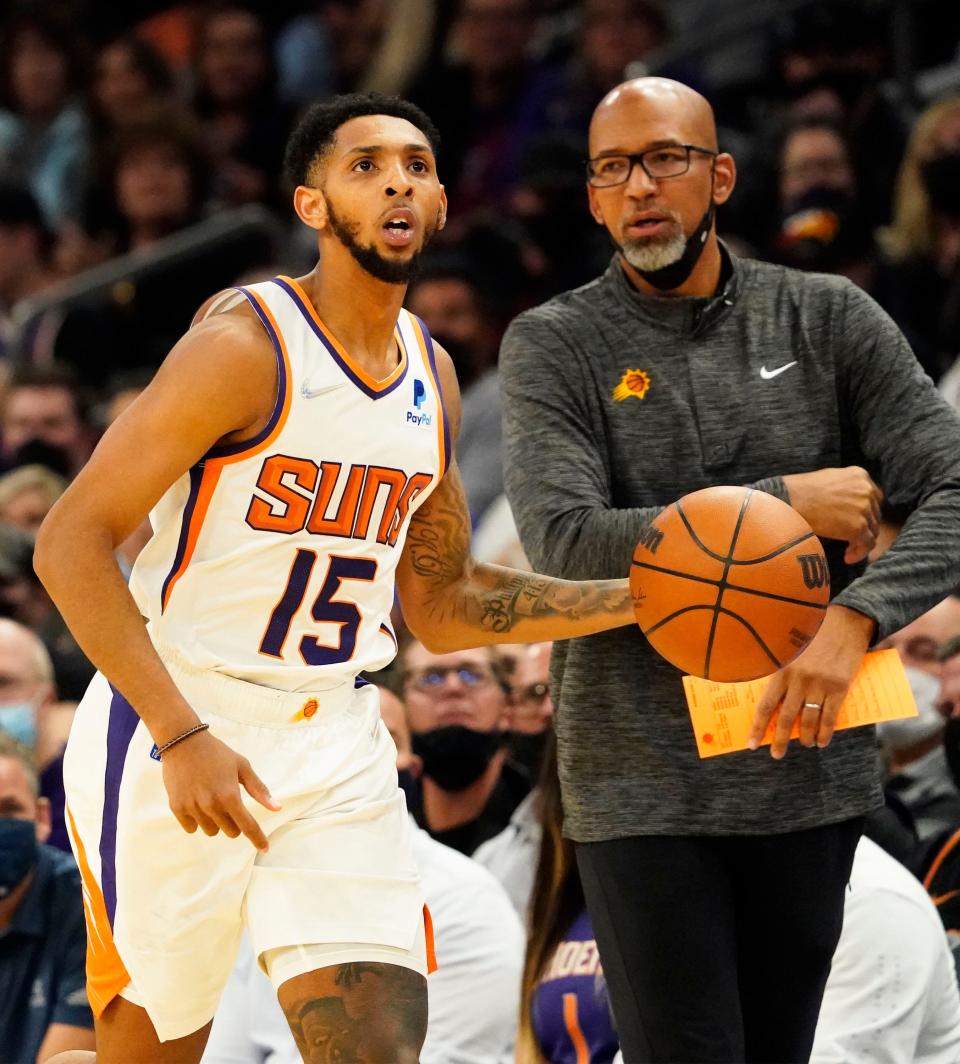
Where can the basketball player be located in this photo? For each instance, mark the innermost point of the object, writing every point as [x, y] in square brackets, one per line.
[716, 887]
[295, 452]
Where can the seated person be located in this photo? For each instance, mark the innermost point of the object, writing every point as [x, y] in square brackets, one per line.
[459, 714]
[43, 999]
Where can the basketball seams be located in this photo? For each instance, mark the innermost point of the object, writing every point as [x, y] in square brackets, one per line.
[672, 616]
[730, 586]
[745, 503]
[756, 635]
[766, 557]
[696, 539]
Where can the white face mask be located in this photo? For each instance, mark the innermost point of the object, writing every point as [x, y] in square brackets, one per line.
[897, 735]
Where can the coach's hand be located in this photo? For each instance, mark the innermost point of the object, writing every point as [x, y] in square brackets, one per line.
[839, 504]
[203, 777]
[815, 684]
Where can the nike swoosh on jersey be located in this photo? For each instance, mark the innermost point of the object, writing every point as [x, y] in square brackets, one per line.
[311, 393]
[769, 374]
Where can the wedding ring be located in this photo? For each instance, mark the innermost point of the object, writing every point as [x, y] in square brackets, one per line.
[812, 705]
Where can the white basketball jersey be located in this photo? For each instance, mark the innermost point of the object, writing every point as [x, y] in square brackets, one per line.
[274, 560]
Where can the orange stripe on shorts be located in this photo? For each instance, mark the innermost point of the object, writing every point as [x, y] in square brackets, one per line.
[106, 975]
[572, 1023]
[428, 936]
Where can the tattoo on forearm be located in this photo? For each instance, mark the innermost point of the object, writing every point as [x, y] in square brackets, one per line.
[362, 1013]
[490, 598]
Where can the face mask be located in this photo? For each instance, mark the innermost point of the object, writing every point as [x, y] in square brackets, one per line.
[672, 276]
[410, 786]
[19, 719]
[527, 750]
[951, 747]
[897, 735]
[18, 852]
[941, 178]
[822, 229]
[455, 756]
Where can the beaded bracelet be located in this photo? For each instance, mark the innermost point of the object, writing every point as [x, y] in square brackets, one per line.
[161, 750]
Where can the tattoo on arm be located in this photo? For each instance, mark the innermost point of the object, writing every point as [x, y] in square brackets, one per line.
[453, 588]
[364, 1013]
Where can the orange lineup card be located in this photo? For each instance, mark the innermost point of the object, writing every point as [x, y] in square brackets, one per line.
[721, 712]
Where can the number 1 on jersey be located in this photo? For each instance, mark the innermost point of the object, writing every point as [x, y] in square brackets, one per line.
[325, 610]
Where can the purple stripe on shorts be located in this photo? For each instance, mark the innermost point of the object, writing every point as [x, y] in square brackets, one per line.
[121, 725]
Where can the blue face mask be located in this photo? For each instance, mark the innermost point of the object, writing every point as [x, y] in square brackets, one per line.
[19, 719]
[18, 852]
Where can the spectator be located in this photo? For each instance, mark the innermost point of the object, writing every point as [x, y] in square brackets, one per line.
[489, 103]
[820, 224]
[131, 79]
[472, 995]
[613, 34]
[452, 305]
[27, 494]
[832, 58]
[564, 1011]
[43, 130]
[922, 286]
[29, 713]
[44, 421]
[24, 260]
[532, 706]
[459, 714]
[244, 125]
[43, 1000]
[919, 778]
[512, 855]
[892, 991]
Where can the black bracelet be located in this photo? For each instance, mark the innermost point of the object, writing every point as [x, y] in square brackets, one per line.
[161, 750]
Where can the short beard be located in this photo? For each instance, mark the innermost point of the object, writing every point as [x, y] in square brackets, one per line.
[369, 259]
[649, 255]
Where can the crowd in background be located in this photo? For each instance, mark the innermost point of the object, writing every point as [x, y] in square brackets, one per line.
[140, 171]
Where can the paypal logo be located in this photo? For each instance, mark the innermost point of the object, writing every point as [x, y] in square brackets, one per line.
[418, 419]
[419, 393]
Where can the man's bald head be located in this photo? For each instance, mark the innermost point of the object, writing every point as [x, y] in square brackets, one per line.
[655, 178]
[656, 102]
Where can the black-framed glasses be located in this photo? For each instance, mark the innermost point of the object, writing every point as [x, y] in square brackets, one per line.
[434, 677]
[669, 160]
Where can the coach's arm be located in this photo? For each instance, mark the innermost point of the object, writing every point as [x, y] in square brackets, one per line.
[451, 601]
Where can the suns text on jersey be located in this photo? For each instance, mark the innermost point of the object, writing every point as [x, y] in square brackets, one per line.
[298, 494]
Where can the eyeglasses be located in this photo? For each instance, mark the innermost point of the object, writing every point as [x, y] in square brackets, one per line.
[534, 694]
[671, 160]
[434, 678]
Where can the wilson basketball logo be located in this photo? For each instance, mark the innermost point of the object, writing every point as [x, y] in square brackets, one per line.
[651, 538]
[813, 567]
[635, 382]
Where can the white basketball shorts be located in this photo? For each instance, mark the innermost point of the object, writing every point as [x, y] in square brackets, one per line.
[165, 909]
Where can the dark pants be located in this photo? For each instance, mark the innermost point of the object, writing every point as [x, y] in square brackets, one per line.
[718, 949]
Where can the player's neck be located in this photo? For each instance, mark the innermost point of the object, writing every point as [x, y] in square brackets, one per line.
[703, 280]
[444, 810]
[360, 311]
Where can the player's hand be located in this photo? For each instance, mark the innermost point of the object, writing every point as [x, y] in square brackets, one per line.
[814, 685]
[839, 504]
[203, 777]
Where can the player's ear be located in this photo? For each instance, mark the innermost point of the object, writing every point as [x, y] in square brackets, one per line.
[311, 206]
[442, 214]
[724, 177]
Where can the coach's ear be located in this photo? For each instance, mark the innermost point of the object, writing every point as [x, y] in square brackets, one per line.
[311, 206]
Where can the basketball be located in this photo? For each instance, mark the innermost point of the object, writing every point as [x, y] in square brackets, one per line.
[729, 583]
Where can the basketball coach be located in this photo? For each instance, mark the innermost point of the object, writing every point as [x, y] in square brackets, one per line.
[716, 887]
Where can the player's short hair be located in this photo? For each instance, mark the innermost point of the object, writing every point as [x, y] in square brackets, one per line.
[317, 130]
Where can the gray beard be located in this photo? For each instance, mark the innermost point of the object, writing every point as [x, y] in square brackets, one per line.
[647, 257]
